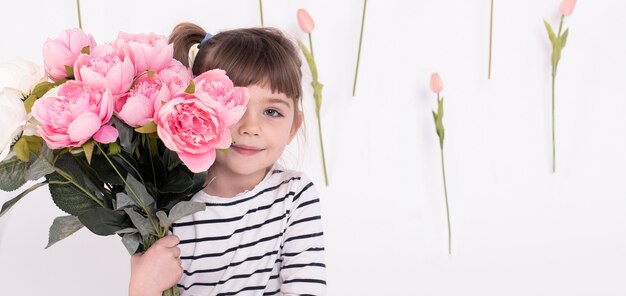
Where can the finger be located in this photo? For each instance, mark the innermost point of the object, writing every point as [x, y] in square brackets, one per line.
[168, 241]
[176, 252]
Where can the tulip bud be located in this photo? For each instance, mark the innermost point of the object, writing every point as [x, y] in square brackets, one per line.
[567, 7]
[435, 83]
[305, 21]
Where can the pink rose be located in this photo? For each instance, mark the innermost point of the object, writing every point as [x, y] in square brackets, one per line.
[139, 106]
[215, 85]
[73, 116]
[105, 67]
[193, 129]
[63, 51]
[147, 51]
[176, 76]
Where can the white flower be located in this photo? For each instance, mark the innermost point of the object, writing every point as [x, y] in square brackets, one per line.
[13, 117]
[21, 75]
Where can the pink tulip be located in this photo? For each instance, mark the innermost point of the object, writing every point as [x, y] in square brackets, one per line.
[72, 117]
[435, 83]
[193, 129]
[105, 67]
[216, 86]
[567, 7]
[305, 21]
[63, 51]
[146, 51]
[137, 108]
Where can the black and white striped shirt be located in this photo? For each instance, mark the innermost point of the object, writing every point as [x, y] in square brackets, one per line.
[266, 241]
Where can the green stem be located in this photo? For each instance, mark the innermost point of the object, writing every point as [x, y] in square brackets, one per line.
[358, 57]
[132, 167]
[311, 45]
[554, 68]
[490, 39]
[152, 151]
[445, 189]
[71, 180]
[80, 21]
[261, 11]
[319, 126]
[130, 189]
[173, 291]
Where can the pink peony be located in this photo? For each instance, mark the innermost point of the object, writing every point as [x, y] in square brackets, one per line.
[146, 51]
[73, 116]
[139, 106]
[215, 85]
[193, 129]
[105, 67]
[176, 76]
[63, 51]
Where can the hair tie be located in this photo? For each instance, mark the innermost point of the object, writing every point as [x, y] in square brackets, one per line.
[207, 37]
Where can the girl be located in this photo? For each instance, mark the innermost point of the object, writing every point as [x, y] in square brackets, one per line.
[261, 232]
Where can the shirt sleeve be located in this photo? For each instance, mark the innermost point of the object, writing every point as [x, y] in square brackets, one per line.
[303, 269]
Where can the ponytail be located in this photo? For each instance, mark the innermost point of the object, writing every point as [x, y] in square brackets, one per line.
[183, 37]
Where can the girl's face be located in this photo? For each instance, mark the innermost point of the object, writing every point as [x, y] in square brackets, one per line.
[261, 135]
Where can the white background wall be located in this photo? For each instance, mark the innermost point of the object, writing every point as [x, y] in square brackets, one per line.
[518, 229]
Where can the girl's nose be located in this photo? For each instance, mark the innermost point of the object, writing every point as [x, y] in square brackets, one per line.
[249, 125]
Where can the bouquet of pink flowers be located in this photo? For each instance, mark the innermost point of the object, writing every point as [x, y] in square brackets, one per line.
[121, 132]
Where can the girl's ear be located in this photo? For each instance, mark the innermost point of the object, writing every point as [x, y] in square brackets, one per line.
[297, 123]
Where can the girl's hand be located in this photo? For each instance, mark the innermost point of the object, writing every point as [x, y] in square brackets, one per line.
[156, 270]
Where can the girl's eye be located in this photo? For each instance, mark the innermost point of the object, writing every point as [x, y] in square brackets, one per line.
[272, 113]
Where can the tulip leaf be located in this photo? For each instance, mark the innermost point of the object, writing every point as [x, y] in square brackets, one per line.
[13, 173]
[62, 227]
[147, 129]
[564, 38]
[191, 88]
[551, 34]
[9, 204]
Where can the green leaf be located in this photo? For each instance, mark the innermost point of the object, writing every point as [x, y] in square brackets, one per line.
[125, 135]
[124, 201]
[21, 149]
[62, 227]
[131, 241]
[185, 208]
[86, 50]
[28, 103]
[191, 88]
[9, 204]
[88, 148]
[163, 221]
[73, 198]
[551, 34]
[102, 168]
[140, 222]
[103, 221]
[147, 129]
[309, 59]
[41, 166]
[42, 88]
[70, 71]
[137, 188]
[12, 174]
[177, 182]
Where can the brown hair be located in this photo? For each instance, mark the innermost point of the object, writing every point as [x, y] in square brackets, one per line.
[262, 56]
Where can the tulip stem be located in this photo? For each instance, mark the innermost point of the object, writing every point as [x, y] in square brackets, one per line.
[80, 21]
[490, 39]
[445, 189]
[319, 126]
[358, 56]
[554, 68]
[261, 11]
[311, 45]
